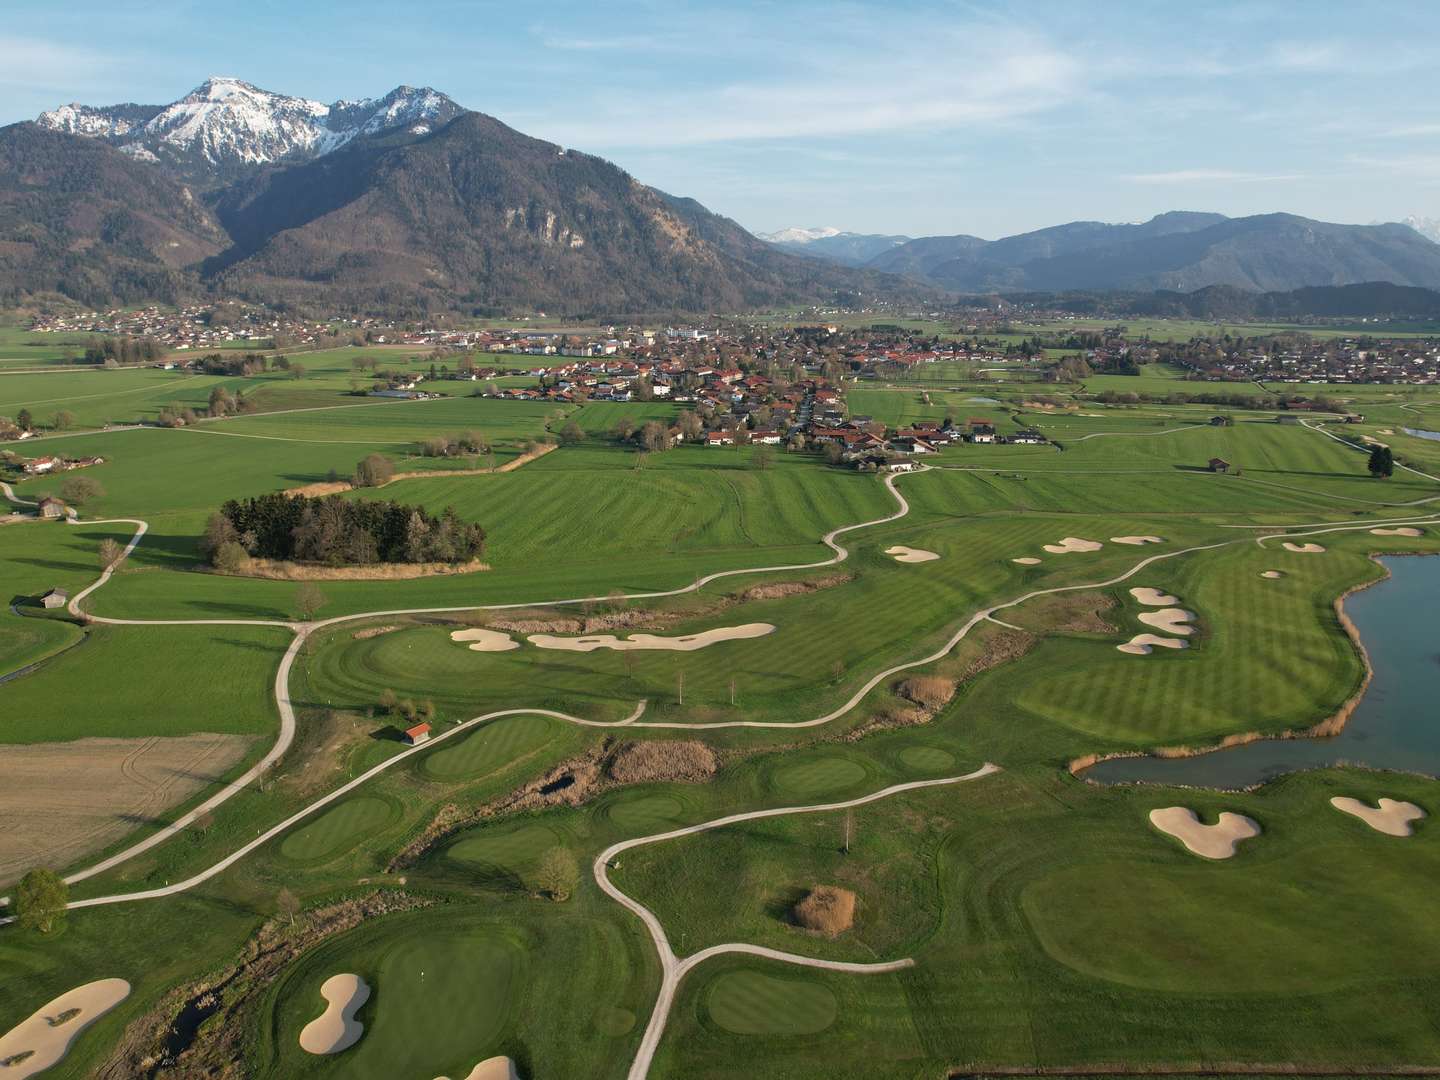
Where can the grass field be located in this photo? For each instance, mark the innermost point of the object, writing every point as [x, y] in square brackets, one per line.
[1050, 923]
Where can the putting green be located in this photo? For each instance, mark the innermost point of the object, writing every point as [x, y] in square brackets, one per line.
[749, 1003]
[926, 758]
[489, 748]
[513, 849]
[441, 1001]
[338, 829]
[819, 776]
[646, 811]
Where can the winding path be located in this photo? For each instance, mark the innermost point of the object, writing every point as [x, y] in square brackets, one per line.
[673, 969]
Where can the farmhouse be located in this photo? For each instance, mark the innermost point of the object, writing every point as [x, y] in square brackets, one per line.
[55, 598]
[982, 433]
[1026, 438]
[1218, 465]
[417, 734]
[36, 466]
[719, 438]
[50, 508]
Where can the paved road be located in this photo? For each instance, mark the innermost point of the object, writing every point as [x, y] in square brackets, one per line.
[673, 969]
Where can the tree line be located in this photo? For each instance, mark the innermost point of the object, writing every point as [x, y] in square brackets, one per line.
[337, 532]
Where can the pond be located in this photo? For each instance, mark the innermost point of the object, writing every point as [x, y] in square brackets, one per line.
[1395, 726]
[1421, 433]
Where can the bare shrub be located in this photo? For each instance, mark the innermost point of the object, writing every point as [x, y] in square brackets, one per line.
[648, 762]
[827, 909]
[928, 691]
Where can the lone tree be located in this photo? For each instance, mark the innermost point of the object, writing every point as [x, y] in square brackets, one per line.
[558, 874]
[109, 553]
[80, 489]
[571, 433]
[40, 900]
[373, 471]
[308, 600]
[1382, 462]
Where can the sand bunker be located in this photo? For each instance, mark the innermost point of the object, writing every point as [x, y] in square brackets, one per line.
[1172, 620]
[1392, 818]
[1154, 597]
[46, 1043]
[1404, 530]
[908, 554]
[1026, 561]
[1271, 574]
[336, 1028]
[1073, 543]
[495, 1068]
[1144, 644]
[1137, 540]
[1303, 549]
[1216, 841]
[485, 640]
[683, 643]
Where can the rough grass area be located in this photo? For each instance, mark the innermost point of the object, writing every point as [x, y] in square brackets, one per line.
[650, 762]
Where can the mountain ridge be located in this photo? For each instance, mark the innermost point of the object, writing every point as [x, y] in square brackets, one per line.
[1179, 250]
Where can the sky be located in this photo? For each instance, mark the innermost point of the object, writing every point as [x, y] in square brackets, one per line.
[921, 118]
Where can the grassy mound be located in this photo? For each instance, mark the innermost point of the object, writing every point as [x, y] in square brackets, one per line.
[819, 776]
[489, 748]
[749, 1003]
[338, 829]
[926, 758]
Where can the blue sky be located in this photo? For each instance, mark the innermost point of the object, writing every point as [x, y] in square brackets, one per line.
[918, 118]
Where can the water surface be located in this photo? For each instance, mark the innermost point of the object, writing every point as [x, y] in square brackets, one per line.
[1395, 726]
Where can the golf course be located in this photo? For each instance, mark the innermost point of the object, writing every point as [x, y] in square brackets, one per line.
[566, 809]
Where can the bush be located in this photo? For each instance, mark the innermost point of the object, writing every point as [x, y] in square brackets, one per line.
[827, 909]
[80, 489]
[230, 557]
[40, 900]
[929, 691]
[558, 874]
[373, 471]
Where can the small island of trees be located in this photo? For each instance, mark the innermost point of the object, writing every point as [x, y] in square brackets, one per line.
[333, 531]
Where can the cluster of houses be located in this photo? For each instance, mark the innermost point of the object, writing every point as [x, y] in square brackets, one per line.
[1413, 361]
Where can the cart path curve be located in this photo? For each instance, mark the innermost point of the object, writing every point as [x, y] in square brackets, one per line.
[673, 969]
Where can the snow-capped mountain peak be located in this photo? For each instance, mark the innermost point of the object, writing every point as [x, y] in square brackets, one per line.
[795, 234]
[226, 124]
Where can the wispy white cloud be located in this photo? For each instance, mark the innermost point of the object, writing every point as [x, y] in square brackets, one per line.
[984, 84]
[1208, 176]
[1310, 56]
[32, 63]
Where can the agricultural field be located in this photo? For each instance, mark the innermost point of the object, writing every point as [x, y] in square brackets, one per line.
[691, 692]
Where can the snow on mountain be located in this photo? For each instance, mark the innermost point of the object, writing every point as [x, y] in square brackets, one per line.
[226, 123]
[1427, 227]
[797, 235]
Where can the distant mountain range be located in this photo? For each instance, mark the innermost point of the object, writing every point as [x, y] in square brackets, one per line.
[409, 204]
[846, 248]
[1178, 251]
[405, 204]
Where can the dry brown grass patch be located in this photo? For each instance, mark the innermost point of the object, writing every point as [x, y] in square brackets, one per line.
[661, 760]
[277, 570]
[1073, 613]
[931, 692]
[775, 590]
[373, 631]
[827, 909]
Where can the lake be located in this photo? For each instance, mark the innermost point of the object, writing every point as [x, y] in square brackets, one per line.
[1395, 726]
